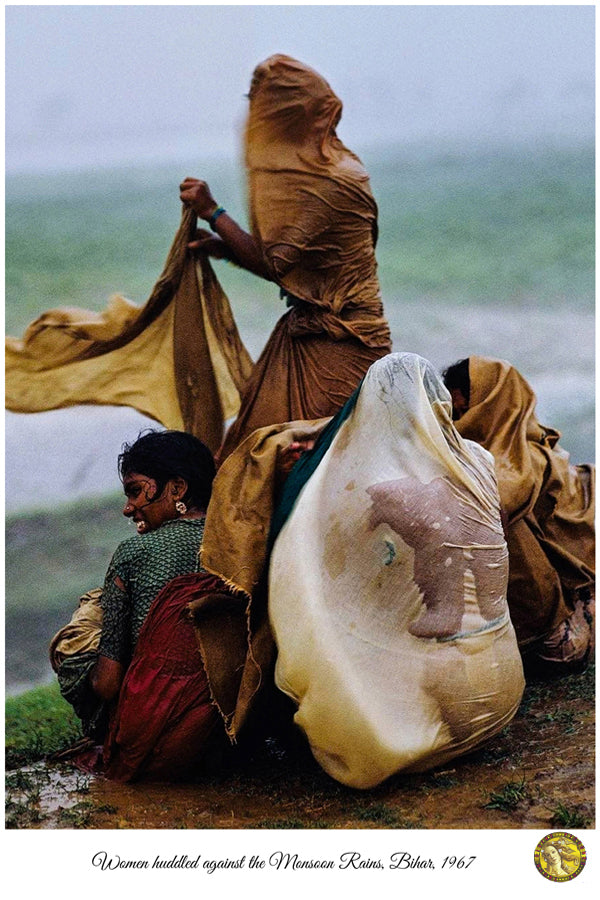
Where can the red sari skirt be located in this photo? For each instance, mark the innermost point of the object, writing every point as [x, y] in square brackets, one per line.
[164, 720]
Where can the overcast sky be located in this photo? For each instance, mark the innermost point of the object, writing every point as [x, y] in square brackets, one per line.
[93, 85]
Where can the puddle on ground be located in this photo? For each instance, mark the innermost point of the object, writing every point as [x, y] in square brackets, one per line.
[545, 757]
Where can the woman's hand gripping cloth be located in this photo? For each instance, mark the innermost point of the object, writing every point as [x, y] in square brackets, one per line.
[550, 503]
[387, 587]
[178, 359]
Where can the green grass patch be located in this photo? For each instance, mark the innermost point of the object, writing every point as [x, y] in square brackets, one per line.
[78, 816]
[38, 724]
[509, 796]
[540, 691]
[381, 814]
[570, 817]
[22, 814]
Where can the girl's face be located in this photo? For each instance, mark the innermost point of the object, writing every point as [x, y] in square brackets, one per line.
[147, 509]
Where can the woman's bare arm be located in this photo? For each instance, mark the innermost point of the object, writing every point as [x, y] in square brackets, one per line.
[107, 674]
[239, 246]
[106, 677]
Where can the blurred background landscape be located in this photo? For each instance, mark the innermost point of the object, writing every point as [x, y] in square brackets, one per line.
[475, 123]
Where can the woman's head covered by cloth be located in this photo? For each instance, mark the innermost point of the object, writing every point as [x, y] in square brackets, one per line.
[293, 101]
[420, 414]
[309, 197]
[387, 586]
[406, 394]
[292, 119]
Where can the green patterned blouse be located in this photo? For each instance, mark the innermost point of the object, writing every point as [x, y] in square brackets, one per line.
[144, 563]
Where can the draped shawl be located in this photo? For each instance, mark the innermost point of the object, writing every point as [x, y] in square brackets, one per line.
[314, 216]
[235, 639]
[178, 359]
[550, 503]
[387, 587]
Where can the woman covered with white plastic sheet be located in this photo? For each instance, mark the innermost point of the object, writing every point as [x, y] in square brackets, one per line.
[387, 588]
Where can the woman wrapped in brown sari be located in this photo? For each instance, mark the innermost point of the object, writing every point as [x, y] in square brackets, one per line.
[548, 502]
[313, 232]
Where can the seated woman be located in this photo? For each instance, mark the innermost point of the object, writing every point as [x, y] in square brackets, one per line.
[141, 656]
[387, 584]
[549, 505]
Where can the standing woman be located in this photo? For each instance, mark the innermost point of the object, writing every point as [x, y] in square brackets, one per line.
[313, 232]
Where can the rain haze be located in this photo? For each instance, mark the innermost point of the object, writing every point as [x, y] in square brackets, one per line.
[112, 84]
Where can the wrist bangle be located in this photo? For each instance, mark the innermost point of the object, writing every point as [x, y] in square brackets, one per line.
[218, 211]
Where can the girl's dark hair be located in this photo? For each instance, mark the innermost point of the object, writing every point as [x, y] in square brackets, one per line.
[457, 376]
[170, 454]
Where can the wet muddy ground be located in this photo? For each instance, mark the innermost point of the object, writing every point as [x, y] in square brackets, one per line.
[537, 773]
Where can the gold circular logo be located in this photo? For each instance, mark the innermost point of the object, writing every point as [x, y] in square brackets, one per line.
[559, 856]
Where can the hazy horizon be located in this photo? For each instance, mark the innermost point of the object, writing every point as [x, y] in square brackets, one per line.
[113, 85]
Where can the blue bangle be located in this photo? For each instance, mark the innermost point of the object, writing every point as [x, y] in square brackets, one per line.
[218, 211]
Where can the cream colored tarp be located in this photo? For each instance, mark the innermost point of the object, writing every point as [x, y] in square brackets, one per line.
[178, 359]
[387, 593]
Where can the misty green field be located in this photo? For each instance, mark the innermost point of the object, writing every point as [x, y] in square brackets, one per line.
[510, 228]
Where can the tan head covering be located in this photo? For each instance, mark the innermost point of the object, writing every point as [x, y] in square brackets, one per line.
[550, 503]
[292, 121]
[501, 417]
[311, 205]
[533, 471]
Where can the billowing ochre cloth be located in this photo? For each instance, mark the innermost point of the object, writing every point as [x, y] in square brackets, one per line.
[313, 213]
[387, 588]
[235, 640]
[550, 503]
[177, 359]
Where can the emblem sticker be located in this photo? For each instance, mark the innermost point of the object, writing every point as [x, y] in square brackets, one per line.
[559, 856]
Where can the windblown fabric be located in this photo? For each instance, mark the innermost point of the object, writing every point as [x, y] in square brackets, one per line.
[313, 214]
[178, 359]
[387, 588]
[231, 620]
[549, 502]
